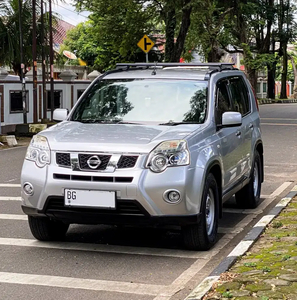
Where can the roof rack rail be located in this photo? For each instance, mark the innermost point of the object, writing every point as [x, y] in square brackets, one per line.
[217, 66]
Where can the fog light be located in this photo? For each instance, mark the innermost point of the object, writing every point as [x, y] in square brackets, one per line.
[172, 196]
[28, 189]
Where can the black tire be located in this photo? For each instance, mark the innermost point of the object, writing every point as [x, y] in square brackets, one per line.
[249, 195]
[44, 229]
[203, 236]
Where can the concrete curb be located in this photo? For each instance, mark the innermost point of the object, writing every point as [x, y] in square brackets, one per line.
[202, 289]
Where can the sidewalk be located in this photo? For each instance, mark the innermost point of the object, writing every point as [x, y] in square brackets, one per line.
[22, 141]
[269, 269]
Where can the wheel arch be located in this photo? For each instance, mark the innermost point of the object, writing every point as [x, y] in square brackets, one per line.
[259, 148]
[215, 169]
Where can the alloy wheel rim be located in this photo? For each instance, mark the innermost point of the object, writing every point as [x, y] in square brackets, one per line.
[210, 212]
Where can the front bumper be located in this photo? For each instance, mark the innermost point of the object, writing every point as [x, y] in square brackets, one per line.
[139, 195]
[127, 213]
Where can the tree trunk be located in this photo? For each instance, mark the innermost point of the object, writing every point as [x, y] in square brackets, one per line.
[184, 28]
[271, 81]
[16, 68]
[295, 77]
[170, 23]
[215, 54]
[283, 94]
[253, 77]
[271, 70]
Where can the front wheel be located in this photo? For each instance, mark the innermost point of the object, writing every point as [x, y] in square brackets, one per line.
[44, 229]
[249, 195]
[203, 236]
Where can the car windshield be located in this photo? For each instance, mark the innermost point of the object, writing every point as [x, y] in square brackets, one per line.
[162, 101]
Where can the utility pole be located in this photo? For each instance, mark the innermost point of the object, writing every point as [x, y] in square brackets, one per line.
[34, 52]
[51, 59]
[44, 94]
[24, 96]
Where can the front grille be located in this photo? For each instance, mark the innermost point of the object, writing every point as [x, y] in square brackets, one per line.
[63, 159]
[127, 161]
[123, 207]
[83, 159]
[93, 178]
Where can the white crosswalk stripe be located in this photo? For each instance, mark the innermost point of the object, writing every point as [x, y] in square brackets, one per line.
[108, 248]
[81, 283]
[10, 185]
[13, 217]
[5, 198]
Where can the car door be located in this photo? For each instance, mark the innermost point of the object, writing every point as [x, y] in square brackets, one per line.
[230, 138]
[240, 103]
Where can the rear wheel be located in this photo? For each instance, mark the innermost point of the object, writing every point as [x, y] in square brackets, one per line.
[249, 195]
[203, 236]
[44, 229]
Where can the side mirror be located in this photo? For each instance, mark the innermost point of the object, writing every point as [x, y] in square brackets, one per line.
[60, 114]
[231, 119]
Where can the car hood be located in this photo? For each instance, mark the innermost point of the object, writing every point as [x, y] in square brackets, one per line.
[75, 136]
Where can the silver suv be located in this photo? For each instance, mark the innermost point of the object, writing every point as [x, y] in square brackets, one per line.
[148, 144]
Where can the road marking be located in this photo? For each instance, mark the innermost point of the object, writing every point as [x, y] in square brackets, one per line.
[80, 283]
[280, 189]
[180, 282]
[13, 217]
[16, 185]
[106, 248]
[278, 119]
[5, 198]
[278, 124]
[199, 291]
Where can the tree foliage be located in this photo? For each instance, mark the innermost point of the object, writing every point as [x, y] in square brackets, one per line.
[251, 27]
[10, 33]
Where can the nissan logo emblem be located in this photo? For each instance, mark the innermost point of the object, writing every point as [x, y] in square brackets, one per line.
[94, 162]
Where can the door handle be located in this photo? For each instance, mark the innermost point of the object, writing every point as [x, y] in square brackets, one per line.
[238, 133]
[251, 126]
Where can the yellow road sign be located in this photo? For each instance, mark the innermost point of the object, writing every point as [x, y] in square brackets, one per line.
[145, 44]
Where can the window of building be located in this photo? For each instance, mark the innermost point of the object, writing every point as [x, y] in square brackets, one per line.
[264, 87]
[258, 87]
[57, 99]
[16, 101]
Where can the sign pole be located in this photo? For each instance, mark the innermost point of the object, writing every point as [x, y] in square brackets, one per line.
[146, 57]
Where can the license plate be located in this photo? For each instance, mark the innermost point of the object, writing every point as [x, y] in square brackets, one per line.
[88, 198]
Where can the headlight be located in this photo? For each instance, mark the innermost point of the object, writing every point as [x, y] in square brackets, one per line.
[168, 154]
[39, 151]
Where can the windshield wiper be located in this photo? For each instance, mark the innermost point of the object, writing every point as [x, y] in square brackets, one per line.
[177, 123]
[92, 121]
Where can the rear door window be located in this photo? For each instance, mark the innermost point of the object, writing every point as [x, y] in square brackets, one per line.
[239, 95]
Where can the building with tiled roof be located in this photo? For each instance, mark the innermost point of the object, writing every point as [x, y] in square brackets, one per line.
[60, 32]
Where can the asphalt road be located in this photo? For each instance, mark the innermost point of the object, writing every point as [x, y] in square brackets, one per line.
[105, 262]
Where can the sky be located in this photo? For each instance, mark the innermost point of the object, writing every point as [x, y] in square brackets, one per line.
[67, 12]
